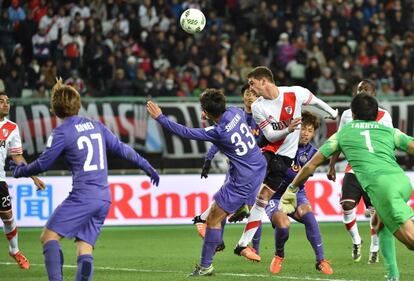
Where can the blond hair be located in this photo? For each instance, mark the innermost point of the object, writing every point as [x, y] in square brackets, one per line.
[64, 100]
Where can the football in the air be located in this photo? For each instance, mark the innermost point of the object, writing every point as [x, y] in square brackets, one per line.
[192, 21]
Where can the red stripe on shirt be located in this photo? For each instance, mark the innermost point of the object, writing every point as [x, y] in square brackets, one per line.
[380, 115]
[263, 124]
[289, 100]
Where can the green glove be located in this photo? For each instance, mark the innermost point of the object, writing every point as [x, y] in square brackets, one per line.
[288, 200]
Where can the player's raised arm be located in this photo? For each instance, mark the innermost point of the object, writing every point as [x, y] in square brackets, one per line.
[19, 159]
[403, 142]
[54, 148]
[207, 134]
[311, 99]
[126, 152]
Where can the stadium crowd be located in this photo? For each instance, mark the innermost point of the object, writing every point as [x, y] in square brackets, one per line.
[137, 48]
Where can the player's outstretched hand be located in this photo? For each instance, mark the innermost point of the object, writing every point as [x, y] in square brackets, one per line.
[331, 174]
[288, 200]
[152, 173]
[333, 117]
[206, 169]
[153, 109]
[39, 183]
[294, 124]
[17, 169]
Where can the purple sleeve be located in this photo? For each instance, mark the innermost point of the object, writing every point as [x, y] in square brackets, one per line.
[211, 152]
[123, 150]
[54, 148]
[207, 134]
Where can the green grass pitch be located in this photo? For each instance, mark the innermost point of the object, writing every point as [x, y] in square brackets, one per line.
[170, 253]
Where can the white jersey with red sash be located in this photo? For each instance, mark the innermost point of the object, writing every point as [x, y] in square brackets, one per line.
[383, 118]
[278, 113]
[10, 143]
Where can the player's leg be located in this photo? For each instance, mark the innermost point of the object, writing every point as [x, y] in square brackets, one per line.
[256, 213]
[351, 195]
[53, 255]
[387, 246]
[212, 239]
[200, 221]
[87, 236]
[275, 174]
[85, 261]
[256, 239]
[10, 228]
[305, 215]
[281, 223]
[374, 247]
[390, 196]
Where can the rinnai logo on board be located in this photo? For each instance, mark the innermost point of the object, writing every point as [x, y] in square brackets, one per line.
[176, 200]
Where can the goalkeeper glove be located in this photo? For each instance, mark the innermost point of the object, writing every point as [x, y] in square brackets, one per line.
[206, 169]
[288, 200]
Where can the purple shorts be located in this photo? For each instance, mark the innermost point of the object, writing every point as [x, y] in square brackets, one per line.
[273, 205]
[79, 218]
[230, 197]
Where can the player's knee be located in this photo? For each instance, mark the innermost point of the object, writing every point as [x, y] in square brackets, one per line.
[348, 205]
[303, 210]
[280, 220]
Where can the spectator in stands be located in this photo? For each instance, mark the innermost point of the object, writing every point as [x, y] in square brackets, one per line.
[349, 37]
[326, 84]
[16, 13]
[14, 85]
[41, 46]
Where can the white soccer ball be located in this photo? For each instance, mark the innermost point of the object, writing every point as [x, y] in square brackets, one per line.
[192, 21]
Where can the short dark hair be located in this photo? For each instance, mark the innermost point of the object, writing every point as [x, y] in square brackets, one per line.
[244, 88]
[213, 101]
[308, 118]
[261, 72]
[2, 93]
[364, 107]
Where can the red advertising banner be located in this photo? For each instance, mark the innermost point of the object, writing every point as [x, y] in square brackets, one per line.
[176, 200]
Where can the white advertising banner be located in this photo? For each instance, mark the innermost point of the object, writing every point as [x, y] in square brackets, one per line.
[176, 200]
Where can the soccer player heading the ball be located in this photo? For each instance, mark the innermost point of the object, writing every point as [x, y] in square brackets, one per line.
[232, 136]
[83, 144]
[369, 148]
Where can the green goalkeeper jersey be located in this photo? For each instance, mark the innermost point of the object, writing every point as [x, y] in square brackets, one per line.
[369, 148]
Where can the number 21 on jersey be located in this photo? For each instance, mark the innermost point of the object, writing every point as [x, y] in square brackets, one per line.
[85, 142]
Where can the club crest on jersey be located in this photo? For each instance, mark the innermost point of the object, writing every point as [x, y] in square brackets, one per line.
[303, 158]
[5, 132]
[288, 109]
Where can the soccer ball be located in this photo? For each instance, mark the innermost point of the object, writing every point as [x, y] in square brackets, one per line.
[192, 21]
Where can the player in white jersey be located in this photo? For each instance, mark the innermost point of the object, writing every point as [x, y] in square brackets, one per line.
[352, 191]
[278, 113]
[10, 143]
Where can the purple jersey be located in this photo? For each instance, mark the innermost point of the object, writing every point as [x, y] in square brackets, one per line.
[303, 155]
[233, 138]
[254, 130]
[83, 144]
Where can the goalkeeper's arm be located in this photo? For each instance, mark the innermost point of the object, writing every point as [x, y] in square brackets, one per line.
[288, 200]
